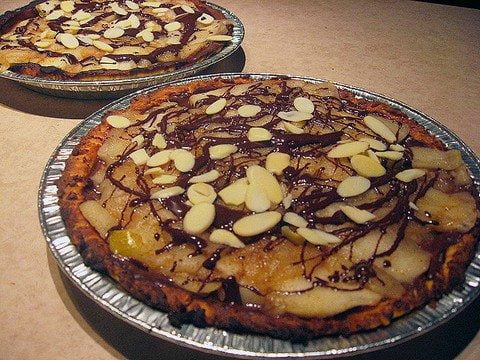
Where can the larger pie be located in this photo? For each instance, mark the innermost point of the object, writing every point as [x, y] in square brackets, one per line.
[279, 206]
[105, 39]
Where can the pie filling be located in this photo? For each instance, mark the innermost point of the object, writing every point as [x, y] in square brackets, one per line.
[280, 196]
[85, 39]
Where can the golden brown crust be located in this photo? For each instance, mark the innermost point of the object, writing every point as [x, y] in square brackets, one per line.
[184, 306]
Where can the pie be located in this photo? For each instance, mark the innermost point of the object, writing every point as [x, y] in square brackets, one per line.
[275, 206]
[105, 39]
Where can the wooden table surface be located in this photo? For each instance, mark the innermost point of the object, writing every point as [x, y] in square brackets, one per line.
[425, 55]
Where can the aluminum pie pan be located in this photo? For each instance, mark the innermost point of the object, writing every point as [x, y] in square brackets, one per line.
[107, 89]
[109, 296]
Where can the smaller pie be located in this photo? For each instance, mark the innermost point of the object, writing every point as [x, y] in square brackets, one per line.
[106, 39]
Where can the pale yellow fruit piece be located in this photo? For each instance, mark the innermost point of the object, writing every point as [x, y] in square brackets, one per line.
[257, 223]
[294, 116]
[234, 194]
[357, 215]
[159, 141]
[263, 178]
[118, 122]
[295, 219]
[216, 106]
[225, 237]
[210, 176]
[139, 157]
[304, 104]
[277, 162]
[111, 149]
[258, 134]
[410, 174]
[160, 158]
[353, 186]
[454, 212]
[366, 166]
[165, 179]
[348, 149]
[249, 110]
[183, 159]
[199, 218]
[374, 144]
[168, 192]
[318, 237]
[256, 199]
[321, 301]
[201, 192]
[221, 151]
[98, 216]
[390, 155]
[428, 158]
[379, 128]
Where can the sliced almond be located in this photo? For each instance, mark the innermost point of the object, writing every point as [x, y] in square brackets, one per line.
[132, 5]
[357, 215]
[366, 166]
[220, 38]
[413, 206]
[85, 39]
[154, 171]
[262, 177]
[81, 16]
[146, 35]
[291, 235]
[292, 128]
[391, 155]
[371, 154]
[353, 186]
[216, 106]
[102, 46]
[397, 147]
[258, 134]
[113, 33]
[201, 192]
[159, 141]
[43, 44]
[318, 237]
[304, 104]
[295, 219]
[294, 116]
[173, 26]
[379, 128]
[54, 15]
[160, 10]
[139, 139]
[187, 9]
[410, 174]
[94, 36]
[374, 144]
[134, 21]
[67, 6]
[256, 199]
[118, 10]
[118, 122]
[205, 19]
[159, 158]
[199, 218]
[221, 151]
[210, 176]
[168, 192]
[225, 237]
[150, 4]
[257, 223]
[139, 157]
[249, 110]
[123, 24]
[348, 149]
[183, 159]
[165, 179]
[276, 162]
[235, 193]
[287, 201]
[68, 40]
